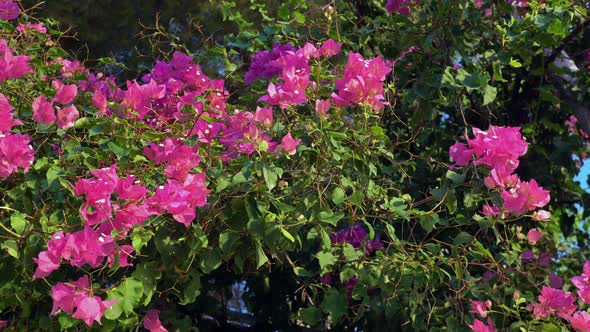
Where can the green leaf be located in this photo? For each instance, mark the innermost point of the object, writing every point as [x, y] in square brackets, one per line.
[18, 222]
[489, 94]
[211, 261]
[192, 290]
[456, 178]
[301, 272]
[326, 259]
[462, 238]
[330, 217]
[428, 221]
[351, 253]
[117, 150]
[335, 304]
[270, 177]
[149, 274]
[11, 247]
[227, 240]
[128, 294]
[52, 174]
[287, 234]
[515, 63]
[261, 258]
[338, 195]
[311, 316]
[284, 12]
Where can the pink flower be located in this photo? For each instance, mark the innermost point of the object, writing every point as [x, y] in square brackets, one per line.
[400, 6]
[533, 236]
[362, 82]
[289, 145]
[460, 154]
[555, 281]
[580, 321]
[12, 67]
[480, 308]
[67, 116]
[582, 282]
[49, 260]
[91, 309]
[24, 28]
[65, 93]
[479, 326]
[490, 210]
[554, 301]
[542, 215]
[525, 196]
[322, 107]
[330, 48]
[263, 116]
[88, 247]
[15, 152]
[67, 295]
[527, 256]
[100, 102]
[43, 111]
[9, 10]
[152, 322]
[7, 120]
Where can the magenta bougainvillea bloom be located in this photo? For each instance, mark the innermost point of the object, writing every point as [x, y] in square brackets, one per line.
[65, 93]
[26, 27]
[9, 10]
[151, 322]
[554, 301]
[400, 6]
[329, 48]
[525, 196]
[43, 111]
[362, 82]
[262, 66]
[67, 295]
[499, 148]
[479, 326]
[67, 116]
[7, 120]
[542, 215]
[289, 145]
[91, 309]
[12, 66]
[15, 153]
[580, 321]
[533, 236]
[263, 116]
[582, 282]
[356, 236]
[480, 308]
[322, 107]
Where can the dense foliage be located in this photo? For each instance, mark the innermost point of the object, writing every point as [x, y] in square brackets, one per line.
[404, 165]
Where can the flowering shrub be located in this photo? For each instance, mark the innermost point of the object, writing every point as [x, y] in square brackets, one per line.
[137, 204]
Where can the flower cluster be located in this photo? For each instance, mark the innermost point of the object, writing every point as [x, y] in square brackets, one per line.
[356, 236]
[362, 83]
[401, 7]
[293, 68]
[499, 149]
[12, 66]
[76, 296]
[44, 110]
[9, 10]
[554, 301]
[15, 151]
